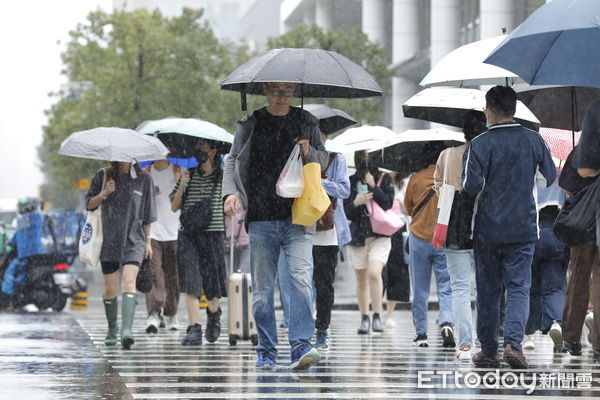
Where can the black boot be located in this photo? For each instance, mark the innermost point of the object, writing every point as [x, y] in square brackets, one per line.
[365, 325]
[213, 325]
[194, 336]
[377, 327]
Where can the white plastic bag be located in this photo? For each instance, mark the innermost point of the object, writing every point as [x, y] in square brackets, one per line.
[90, 243]
[291, 180]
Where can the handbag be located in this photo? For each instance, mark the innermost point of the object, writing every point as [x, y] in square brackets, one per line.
[444, 209]
[290, 183]
[576, 221]
[385, 222]
[326, 222]
[308, 208]
[145, 278]
[90, 242]
[198, 216]
[460, 224]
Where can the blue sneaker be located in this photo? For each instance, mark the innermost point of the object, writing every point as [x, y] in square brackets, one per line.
[265, 361]
[321, 342]
[303, 357]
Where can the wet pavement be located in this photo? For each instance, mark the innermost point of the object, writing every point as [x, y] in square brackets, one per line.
[62, 356]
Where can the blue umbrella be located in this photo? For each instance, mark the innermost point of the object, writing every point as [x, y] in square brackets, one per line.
[182, 162]
[559, 44]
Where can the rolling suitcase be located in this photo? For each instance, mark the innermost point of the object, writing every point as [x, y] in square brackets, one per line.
[240, 320]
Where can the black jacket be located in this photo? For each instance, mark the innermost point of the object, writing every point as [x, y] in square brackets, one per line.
[360, 223]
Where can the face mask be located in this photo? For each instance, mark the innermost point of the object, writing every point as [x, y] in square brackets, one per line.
[201, 156]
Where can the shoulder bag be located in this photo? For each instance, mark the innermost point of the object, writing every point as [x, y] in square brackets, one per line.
[90, 242]
[385, 222]
[198, 216]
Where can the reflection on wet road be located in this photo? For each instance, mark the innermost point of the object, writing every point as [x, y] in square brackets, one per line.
[62, 356]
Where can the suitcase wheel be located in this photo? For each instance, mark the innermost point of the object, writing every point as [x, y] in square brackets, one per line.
[254, 339]
[233, 340]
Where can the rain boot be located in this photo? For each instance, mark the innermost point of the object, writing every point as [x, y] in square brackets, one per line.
[111, 309]
[127, 313]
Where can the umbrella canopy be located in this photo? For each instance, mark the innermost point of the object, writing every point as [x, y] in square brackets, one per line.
[180, 134]
[464, 66]
[365, 137]
[319, 73]
[560, 107]
[559, 141]
[113, 144]
[413, 150]
[330, 119]
[449, 105]
[556, 45]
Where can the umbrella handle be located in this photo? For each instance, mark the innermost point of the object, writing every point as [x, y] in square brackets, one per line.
[231, 245]
[243, 97]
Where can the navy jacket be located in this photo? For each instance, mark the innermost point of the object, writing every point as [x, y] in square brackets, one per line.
[501, 169]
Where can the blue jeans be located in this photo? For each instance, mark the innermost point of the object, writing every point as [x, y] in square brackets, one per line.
[461, 267]
[507, 264]
[267, 239]
[423, 259]
[548, 277]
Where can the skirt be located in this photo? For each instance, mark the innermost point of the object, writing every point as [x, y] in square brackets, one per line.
[201, 264]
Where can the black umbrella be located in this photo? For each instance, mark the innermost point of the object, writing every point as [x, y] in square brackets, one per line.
[560, 107]
[319, 73]
[330, 119]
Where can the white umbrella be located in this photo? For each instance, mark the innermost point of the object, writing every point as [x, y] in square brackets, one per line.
[364, 137]
[186, 126]
[464, 66]
[422, 135]
[449, 105]
[113, 144]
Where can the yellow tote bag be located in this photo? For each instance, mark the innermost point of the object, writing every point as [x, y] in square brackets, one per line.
[313, 203]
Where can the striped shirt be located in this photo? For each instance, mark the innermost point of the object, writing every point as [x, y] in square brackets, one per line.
[200, 188]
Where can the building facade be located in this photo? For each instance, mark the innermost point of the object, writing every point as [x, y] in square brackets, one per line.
[417, 33]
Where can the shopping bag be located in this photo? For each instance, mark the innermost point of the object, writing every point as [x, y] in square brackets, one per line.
[312, 204]
[384, 222]
[290, 183]
[576, 223]
[444, 208]
[90, 242]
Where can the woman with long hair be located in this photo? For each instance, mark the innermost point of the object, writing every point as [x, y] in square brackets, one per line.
[368, 252]
[200, 255]
[128, 209]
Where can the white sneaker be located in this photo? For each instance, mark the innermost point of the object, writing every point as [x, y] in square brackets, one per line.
[464, 354]
[589, 323]
[171, 322]
[153, 322]
[390, 323]
[528, 343]
[555, 334]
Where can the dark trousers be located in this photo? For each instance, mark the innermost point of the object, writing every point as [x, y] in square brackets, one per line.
[585, 262]
[497, 265]
[548, 275]
[396, 279]
[165, 290]
[325, 262]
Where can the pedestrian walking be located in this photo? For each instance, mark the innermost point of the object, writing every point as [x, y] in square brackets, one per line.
[459, 257]
[368, 252]
[396, 279]
[501, 168]
[333, 233]
[421, 203]
[261, 147]
[548, 273]
[162, 300]
[585, 259]
[128, 210]
[200, 253]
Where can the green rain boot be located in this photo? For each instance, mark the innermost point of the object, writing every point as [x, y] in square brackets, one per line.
[111, 308]
[127, 313]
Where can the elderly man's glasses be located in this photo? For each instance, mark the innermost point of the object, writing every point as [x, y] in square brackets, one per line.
[281, 92]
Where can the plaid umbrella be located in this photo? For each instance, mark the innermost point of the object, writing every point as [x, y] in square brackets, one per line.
[559, 141]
